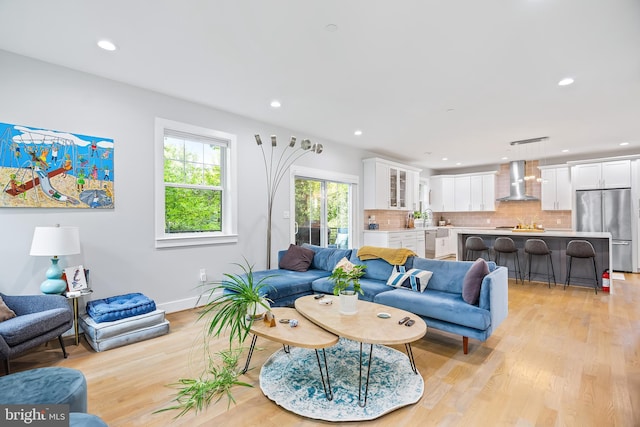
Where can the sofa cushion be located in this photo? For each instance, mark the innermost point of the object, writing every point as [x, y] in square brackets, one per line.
[371, 288]
[120, 307]
[439, 305]
[326, 258]
[297, 258]
[473, 281]
[283, 283]
[378, 268]
[447, 275]
[5, 312]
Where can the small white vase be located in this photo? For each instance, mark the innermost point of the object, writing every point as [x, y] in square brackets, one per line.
[257, 311]
[348, 302]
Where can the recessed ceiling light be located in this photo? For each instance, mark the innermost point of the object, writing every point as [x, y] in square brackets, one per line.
[505, 158]
[445, 159]
[458, 164]
[332, 28]
[107, 45]
[565, 151]
[358, 132]
[275, 103]
[624, 143]
[565, 82]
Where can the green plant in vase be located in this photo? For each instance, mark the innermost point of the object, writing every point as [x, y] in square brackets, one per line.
[235, 303]
[347, 276]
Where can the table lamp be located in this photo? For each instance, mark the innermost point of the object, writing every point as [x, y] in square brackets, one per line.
[55, 241]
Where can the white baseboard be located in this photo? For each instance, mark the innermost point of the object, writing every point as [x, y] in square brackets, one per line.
[186, 303]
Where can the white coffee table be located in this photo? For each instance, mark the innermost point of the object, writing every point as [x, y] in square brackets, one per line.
[364, 327]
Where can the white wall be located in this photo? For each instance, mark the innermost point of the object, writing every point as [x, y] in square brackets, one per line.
[118, 244]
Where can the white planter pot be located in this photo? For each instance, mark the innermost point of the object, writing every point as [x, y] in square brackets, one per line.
[257, 310]
[348, 302]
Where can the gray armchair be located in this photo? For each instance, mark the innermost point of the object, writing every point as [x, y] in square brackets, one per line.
[39, 318]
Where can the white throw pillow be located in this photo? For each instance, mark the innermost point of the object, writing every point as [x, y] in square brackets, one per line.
[414, 279]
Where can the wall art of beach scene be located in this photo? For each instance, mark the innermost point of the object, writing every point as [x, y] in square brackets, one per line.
[42, 168]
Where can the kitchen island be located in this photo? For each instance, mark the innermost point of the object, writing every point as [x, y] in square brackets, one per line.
[581, 271]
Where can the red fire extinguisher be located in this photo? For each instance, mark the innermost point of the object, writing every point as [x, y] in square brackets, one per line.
[606, 283]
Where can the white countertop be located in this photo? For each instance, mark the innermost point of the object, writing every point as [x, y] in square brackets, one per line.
[543, 233]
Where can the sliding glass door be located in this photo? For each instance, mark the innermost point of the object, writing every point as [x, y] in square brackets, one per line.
[323, 212]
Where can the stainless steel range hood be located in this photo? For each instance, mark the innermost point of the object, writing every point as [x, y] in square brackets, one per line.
[516, 179]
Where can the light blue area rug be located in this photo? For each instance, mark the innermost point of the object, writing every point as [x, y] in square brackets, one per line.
[293, 382]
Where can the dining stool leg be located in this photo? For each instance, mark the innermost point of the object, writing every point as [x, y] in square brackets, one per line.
[566, 282]
[595, 271]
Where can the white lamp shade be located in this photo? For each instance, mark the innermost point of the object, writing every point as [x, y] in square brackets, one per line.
[55, 241]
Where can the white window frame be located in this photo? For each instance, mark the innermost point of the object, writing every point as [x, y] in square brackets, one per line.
[311, 173]
[229, 233]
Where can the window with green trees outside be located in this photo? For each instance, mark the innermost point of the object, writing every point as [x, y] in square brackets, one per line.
[193, 188]
[195, 183]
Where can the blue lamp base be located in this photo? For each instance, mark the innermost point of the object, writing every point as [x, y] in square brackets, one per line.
[54, 284]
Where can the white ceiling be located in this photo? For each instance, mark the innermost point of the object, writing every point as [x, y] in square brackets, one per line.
[422, 79]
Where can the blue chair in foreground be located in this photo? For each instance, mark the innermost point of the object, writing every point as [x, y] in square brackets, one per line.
[38, 319]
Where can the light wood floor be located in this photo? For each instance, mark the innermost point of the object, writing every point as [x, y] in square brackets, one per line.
[562, 358]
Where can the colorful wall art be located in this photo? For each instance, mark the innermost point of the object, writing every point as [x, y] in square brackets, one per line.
[42, 168]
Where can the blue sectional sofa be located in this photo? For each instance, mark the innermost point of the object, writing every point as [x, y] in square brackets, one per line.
[441, 305]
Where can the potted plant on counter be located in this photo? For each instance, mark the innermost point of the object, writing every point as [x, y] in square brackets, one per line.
[347, 276]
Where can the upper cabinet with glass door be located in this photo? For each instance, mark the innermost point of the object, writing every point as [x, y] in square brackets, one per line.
[390, 185]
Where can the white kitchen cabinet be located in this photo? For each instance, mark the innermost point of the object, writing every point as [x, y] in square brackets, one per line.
[445, 244]
[474, 192]
[591, 176]
[387, 185]
[442, 194]
[420, 243]
[555, 189]
[462, 193]
[413, 239]
[413, 191]
[483, 192]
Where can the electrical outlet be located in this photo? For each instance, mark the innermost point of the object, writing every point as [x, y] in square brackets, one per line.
[203, 275]
[286, 215]
[488, 220]
[388, 222]
[558, 221]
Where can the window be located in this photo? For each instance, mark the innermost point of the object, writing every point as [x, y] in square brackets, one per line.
[323, 208]
[195, 185]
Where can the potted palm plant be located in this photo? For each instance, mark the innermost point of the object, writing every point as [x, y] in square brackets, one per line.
[234, 304]
[345, 277]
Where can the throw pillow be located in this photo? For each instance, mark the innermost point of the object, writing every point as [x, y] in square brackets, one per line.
[472, 281]
[345, 264]
[414, 279]
[297, 258]
[5, 312]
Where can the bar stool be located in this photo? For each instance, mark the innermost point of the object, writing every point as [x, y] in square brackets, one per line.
[505, 245]
[475, 244]
[581, 249]
[537, 247]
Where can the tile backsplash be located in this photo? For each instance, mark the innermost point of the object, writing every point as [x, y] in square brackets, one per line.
[506, 213]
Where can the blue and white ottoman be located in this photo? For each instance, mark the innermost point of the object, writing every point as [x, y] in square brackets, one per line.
[121, 320]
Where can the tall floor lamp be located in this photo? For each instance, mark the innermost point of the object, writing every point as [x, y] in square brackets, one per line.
[275, 174]
[52, 242]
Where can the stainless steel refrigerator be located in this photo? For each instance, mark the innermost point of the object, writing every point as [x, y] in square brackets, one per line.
[608, 210]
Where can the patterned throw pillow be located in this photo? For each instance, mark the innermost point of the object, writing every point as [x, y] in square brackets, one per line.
[5, 312]
[414, 279]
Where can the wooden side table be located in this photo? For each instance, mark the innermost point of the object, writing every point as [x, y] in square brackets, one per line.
[75, 299]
